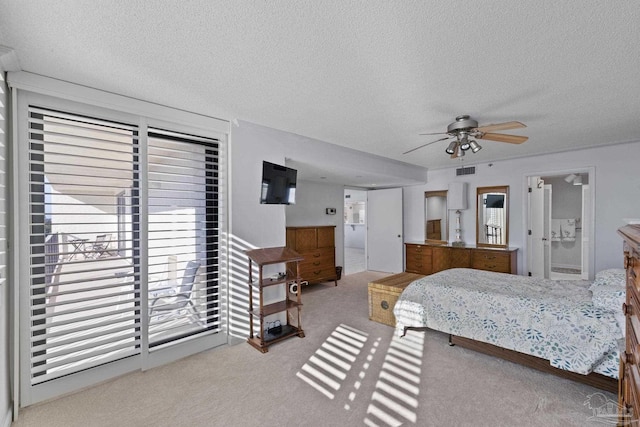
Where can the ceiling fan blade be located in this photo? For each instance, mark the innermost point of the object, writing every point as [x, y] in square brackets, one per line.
[501, 137]
[428, 143]
[434, 133]
[501, 126]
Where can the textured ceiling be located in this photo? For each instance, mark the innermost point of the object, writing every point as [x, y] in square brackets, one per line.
[367, 75]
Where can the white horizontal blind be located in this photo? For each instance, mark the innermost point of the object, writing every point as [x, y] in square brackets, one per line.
[184, 235]
[84, 296]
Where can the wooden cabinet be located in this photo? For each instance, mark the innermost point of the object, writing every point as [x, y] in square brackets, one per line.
[629, 385]
[316, 244]
[425, 258]
[291, 304]
[418, 258]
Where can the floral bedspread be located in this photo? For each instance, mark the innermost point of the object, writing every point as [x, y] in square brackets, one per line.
[554, 320]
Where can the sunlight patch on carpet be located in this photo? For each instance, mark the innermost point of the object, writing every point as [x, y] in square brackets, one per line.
[396, 394]
[327, 368]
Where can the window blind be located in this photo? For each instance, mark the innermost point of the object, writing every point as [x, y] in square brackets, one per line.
[183, 235]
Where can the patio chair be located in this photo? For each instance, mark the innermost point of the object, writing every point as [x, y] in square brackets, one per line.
[101, 246]
[175, 301]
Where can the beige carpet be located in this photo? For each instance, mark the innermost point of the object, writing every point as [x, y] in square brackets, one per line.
[347, 371]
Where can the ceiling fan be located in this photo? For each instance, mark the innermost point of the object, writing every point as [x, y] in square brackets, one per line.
[466, 128]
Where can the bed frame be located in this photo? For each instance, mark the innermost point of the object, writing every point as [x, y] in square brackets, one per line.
[593, 379]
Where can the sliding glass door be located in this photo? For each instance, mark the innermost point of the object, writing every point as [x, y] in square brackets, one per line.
[123, 239]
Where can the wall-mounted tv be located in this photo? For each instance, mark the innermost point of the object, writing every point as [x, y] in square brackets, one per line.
[278, 184]
[494, 201]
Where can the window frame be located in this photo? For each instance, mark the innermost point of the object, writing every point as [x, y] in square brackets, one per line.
[57, 95]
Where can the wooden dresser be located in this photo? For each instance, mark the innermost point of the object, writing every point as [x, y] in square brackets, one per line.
[426, 258]
[629, 385]
[317, 246]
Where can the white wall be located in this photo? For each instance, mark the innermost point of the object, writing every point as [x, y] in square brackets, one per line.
[259, 225]
[616, 193]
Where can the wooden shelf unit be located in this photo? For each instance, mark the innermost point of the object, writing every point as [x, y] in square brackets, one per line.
[268, 256]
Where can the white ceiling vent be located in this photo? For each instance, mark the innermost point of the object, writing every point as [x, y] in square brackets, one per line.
[471, 170]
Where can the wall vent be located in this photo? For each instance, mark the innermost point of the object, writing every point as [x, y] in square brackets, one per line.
[471, 170]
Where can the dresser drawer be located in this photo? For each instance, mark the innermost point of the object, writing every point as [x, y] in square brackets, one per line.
[317, 257]
[319, 274]
[633, 271]
[420, 266]
[492, 261]
[418, 250]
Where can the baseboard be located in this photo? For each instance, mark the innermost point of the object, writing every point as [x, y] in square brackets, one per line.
[571, 266]
[8, 418]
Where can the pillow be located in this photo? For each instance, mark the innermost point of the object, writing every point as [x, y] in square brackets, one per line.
[611, 277]
[609, 297]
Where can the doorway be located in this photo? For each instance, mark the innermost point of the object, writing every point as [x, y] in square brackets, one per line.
[559, 225]
[355, 208]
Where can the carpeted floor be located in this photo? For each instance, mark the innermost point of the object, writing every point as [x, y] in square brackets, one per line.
[347, 371]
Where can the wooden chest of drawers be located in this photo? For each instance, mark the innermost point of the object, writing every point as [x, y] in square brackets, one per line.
[629, 387]
[431, 258]
[316, 244]
[418, 258]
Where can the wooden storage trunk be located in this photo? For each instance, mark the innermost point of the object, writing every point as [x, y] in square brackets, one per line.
[384, 293]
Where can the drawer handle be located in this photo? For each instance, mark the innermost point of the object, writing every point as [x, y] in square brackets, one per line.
[491, 266]
[626, 358]
[384, 305]
[626, 262]
[489, 257]
[317, 272]
[316, 255]
[316, 263]
[627, 309]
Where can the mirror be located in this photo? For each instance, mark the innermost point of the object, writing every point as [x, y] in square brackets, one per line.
[436, 226]
[492, 216]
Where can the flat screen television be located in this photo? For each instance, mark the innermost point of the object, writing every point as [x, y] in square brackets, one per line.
[494, 201]
[278, 184]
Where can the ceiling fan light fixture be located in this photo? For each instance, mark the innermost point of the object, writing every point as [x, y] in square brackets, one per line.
[452, 147]
[577, 180]
[569, 178]
[475, 147]
[464, 141]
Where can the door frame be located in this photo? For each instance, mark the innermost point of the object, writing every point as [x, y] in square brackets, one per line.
[591, 208]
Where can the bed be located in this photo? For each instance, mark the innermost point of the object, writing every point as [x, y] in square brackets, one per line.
[577, 326]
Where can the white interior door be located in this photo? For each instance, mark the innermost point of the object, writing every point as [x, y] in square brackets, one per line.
[536, 248]
[384, 230]
[586, 223]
